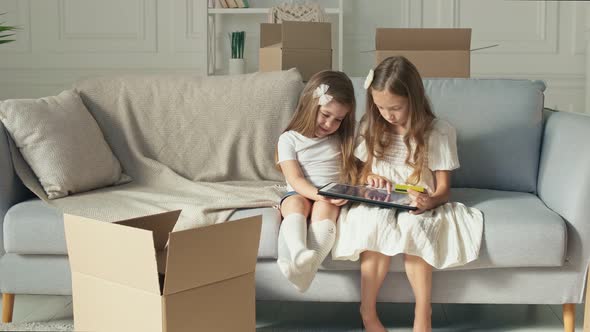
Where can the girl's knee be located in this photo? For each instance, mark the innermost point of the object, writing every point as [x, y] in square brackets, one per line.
[295, 204]
[324, 210]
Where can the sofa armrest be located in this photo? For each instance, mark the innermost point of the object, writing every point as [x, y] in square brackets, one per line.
[564, 180]
[12, 190]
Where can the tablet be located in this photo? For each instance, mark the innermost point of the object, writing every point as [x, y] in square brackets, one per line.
[367, 195]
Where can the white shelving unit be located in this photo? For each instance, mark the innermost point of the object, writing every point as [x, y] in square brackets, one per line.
[257, 10]
[209, 28]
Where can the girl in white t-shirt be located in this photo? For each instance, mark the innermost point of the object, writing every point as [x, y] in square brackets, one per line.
[315, 148]
[401, 141]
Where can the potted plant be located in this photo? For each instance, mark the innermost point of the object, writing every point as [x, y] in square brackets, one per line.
[236, 62]
[6, 31]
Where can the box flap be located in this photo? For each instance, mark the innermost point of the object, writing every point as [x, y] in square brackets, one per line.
[422, 39]
[160, 224]
[316, 35]
[269, 59]
[213, 253]
[270, 34]
[113, 252]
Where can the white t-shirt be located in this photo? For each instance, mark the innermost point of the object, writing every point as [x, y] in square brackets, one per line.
[319, 158]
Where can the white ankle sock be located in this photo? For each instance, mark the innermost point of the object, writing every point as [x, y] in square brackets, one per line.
[320, 238]
[294, 257]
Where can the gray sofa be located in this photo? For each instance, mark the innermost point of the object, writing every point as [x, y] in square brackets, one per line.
[522, 166]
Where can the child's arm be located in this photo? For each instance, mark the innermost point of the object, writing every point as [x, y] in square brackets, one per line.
[443, 187]
[294, 175]
[428, 201]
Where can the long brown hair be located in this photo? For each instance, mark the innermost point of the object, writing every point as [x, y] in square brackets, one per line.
[398, 76]
[305, 118]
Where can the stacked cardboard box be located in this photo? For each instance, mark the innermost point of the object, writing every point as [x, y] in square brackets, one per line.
[435, 52]
[306, 46]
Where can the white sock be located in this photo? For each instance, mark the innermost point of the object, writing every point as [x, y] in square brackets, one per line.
[320, 238]
[294, 257]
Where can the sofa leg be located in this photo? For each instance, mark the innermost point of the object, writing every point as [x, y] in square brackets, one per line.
[7, 307]
[569, 317]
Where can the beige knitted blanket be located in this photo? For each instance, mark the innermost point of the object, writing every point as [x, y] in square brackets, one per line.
[201, 144]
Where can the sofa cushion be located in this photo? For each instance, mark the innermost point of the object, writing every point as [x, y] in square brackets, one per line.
[534, 236]
[498, 123]
[34, 227]
[519, 231]
[62, 143]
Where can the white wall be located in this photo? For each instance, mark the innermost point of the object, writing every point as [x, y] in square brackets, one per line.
[64, 40]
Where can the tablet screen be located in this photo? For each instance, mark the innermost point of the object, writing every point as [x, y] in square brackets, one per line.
[368, 195]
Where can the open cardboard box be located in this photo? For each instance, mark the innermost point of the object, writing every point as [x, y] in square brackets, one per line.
[435, 52]
[306, 46]
[126, 278]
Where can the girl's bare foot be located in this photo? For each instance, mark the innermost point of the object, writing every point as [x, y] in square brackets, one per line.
[371, 321]
[423, 319]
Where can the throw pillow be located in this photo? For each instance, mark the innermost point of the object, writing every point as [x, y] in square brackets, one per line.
[62, 143]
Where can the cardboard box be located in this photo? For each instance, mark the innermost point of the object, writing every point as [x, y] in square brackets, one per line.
[435, 52]
[304, 45]
[124, 278]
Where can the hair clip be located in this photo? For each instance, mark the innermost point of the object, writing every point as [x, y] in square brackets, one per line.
[369, 79]
[320, 92]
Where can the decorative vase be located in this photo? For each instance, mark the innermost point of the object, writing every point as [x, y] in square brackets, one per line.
[237, 66]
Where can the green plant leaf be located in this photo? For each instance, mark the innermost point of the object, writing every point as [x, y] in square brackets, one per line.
[7, 28]
[4, 29]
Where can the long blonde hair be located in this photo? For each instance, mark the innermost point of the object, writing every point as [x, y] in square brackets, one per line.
[305, 118]
[398, 76]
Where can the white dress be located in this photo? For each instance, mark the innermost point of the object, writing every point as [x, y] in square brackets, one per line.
[449, 235]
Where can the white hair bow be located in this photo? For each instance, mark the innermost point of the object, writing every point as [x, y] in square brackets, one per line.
[320, 91]
[369, 79]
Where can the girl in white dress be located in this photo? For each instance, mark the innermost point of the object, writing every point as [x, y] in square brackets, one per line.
[401, 141]
[315, 148]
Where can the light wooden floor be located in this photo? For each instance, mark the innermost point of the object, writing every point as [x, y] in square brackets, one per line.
[297, 316]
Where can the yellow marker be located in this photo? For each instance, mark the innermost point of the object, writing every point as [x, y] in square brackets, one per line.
[403, 188]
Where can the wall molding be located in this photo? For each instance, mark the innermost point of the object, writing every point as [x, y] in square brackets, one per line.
[188, 22]
[64, 12]
[546, 27]
[407, 14]
[412, 16]
[140, 35]
[577, 29]
[191, 31]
